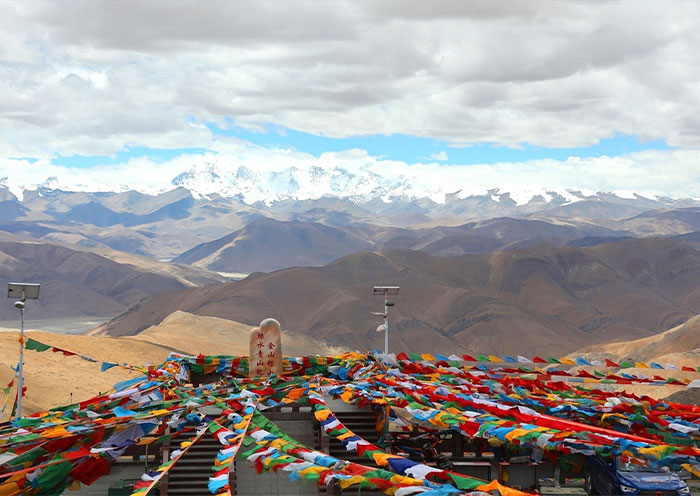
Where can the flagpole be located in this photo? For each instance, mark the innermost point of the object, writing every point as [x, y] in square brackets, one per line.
[20, 368]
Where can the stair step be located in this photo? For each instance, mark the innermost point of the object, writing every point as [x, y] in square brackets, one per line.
[190, 483]
[188, 491]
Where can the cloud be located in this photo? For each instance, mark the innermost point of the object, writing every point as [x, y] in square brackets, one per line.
[148, 73]
[440, 157]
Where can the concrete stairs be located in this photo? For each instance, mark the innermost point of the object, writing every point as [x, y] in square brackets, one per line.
[363, 423]
[190, 475]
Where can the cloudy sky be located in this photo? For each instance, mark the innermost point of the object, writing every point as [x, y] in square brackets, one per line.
[558, 94]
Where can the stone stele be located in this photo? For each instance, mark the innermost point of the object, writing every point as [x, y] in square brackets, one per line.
[265, 349]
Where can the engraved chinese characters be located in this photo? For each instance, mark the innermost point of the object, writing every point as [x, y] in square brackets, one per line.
[265, 349]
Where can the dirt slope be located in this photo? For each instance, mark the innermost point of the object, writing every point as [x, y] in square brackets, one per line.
[52, 377]
[213, 336]
[679, 346]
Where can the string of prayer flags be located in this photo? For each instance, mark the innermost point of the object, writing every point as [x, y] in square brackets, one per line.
[512, 401]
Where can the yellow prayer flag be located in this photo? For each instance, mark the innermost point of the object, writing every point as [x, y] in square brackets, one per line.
[311, 470]
[355, 479]
[74, 486]
[381, 459]
[9, 489]
[322, 414]
[409, 481]
[158, 413]
[58, 431]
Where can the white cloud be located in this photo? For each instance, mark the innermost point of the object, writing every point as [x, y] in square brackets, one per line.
[440, 157]
[93, 77]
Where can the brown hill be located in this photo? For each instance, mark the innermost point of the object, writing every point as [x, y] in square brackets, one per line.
[51, 377]
[691, 238]
[268, 244]
[502, 233]
[666, 222]
[678, 346]
[195, 334]
[78, 282]
[545, 299]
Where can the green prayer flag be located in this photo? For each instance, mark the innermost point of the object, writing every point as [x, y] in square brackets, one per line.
[33, 344]
[27, 456]
[53, 476]
[28, 421]
[465, 483]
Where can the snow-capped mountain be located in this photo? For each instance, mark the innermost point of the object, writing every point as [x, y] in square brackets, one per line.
[368, 183]
[294, 183]
[359, 179]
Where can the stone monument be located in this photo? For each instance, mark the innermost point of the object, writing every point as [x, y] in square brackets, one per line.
[265, 349]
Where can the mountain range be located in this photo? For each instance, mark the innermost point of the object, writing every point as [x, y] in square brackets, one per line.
[76, 282]
[494, 271]
[349, 175]
[544, 299]
[228, 235]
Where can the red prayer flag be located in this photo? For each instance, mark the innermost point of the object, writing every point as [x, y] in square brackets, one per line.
[90, 470]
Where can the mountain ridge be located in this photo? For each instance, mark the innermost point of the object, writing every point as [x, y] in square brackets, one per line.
[79, 282]
[560, 297]
[360, 184]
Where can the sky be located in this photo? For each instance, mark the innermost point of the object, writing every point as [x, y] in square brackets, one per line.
[556, 94]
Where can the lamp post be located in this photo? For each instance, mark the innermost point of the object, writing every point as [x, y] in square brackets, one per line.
[23, 291]
[385, 291]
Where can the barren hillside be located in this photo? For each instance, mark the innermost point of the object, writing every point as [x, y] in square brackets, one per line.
[546, 299]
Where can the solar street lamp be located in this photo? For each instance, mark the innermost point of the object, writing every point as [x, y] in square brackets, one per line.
[385, 291]
[23, 291]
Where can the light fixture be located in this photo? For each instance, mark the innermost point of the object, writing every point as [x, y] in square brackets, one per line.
[385, 291]
[21, 291]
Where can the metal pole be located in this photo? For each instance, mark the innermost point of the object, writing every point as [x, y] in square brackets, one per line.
[20, 378]
[386, 331]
